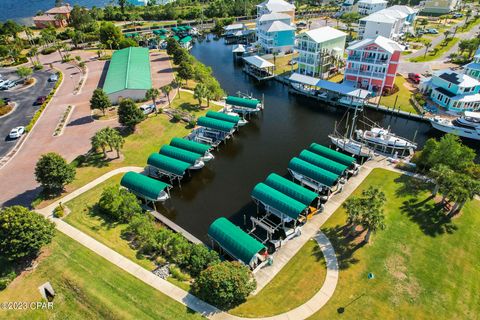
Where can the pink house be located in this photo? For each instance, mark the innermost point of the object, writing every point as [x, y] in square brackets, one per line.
[372, 63]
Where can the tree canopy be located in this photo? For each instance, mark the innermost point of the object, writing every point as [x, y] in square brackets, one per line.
[119, 203]
[129, 115]
[53, 172]
[100, 100]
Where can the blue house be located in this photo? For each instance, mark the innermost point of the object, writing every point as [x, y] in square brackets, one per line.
[452, 90]
[275, 33]
[473, 68]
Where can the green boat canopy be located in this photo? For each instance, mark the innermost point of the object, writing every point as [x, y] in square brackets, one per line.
[175, 29]
[176, 38]
[278, 200]
[157, 32]
[223, 116]
[332, 154]
[318, 174]
[187, 28]
[290, 188]
[190, 145]
[243, 102]
[323, 162]
[180, 154]
[143, 185]
[186, 39]
[234, 240]
[215, 124]
[168, 164]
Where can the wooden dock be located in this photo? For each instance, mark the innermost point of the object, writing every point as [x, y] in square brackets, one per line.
[175, 227]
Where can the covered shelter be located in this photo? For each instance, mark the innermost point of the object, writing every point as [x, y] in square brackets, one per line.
[243, 105]
[213, 131]
[128, 74]
[259, 68]
[149, 189]
[313, 176]
[193, 146]
[237, 243]
[291, 189]
[194, 159]
[186, 42]
[334, 155]
[323, 162]
[223, 116]
[159, 165]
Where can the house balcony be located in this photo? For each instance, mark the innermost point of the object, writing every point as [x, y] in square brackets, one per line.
[359, 58]
[366, 74]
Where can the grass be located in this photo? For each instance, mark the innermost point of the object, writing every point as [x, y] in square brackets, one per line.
[88, 287]
[281, 64]
[403, 101]
[435, 55]
[336, 78]
[187, 103]
[295, 284]
[425, 266]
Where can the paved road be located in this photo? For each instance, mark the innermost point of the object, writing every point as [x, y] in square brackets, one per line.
[25, 109]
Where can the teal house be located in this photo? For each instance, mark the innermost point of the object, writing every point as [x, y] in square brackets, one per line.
[275, 33]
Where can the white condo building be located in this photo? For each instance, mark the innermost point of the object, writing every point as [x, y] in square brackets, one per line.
[389, 23]
[366, 7]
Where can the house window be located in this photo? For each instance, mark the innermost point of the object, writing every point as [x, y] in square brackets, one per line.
[449, 85]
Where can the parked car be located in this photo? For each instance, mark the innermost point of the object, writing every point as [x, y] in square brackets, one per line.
[432, 31]
[16, 132]
[147, 108]
[457, 15]
[292, 62]
[8, 84]
[414, 77]
[40, 100]
[53, 78]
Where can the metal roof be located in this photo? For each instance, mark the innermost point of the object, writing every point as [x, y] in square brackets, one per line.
[180, 154]
[332, 154]
[189, 145]
[258, 62]
[223, 116]
[242, 102]
[143, 185]
[290, 188]
[186, 39]
[313, 172]
[323, 162]
[277, 26]
[234, 240]
[324, 34]
[129, 69]
[168, 164]
[278, 200]
[215, 124]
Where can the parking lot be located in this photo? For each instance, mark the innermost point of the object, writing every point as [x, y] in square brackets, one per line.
[25, 109]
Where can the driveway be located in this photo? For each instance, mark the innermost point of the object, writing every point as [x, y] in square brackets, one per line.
[23, 113]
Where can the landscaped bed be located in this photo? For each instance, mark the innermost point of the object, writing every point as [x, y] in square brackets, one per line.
[404, 94]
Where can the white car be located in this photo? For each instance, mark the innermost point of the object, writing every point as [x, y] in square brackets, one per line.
[16, 132]
[147, 108]
[53, 78]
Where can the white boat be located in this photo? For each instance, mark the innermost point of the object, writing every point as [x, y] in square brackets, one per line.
[351, 146]
[467, 126]
[197, 165]
[207, 157]
[241, 122]
[351, 102]
[380, 137]
[163, 196]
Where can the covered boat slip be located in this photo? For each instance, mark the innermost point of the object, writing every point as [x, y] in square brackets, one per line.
[192, 146]
[291, 189]
[323, 162]
[194, 159]
[149, 189]
[336, 93]
[333, 155]
[223, 117]
[237, 243]
[159, 165]
[313, 176]
[212, 131]
[259, 68]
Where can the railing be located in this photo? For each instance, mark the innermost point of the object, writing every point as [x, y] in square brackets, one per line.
[367, 60]
[365, 73]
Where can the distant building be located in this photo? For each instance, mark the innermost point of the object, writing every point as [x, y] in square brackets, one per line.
[128, 74]
[453, 90]
[440, 6]
[366, 7]
[372, 63]
[56, 17]
[275, 29]
[473, 68]
[347, 6]
[319, 51]
[390, 23]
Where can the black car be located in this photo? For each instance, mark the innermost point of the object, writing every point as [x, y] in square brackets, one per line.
[7, 100]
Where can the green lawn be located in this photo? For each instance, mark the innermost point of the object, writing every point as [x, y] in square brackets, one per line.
[281, 64]
[295, 284]
[441, 50]
[425, 266]
[403, 101]
[186, 103]
[88, 287]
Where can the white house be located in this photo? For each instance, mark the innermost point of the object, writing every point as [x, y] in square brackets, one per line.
[440, 6]
[366, 7]
[278, 6]
[390, 23]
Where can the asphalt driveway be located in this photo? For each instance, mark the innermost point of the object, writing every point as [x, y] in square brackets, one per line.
[25, 109]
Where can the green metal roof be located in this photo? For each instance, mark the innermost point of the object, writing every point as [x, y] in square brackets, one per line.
[168, 164]
[278, 200]
[157, 32]
[187, 28]
[215, 124]
[175, 29]
[143, 185]
[332, 154]
[186, 39]
[176, 38]
[180, 154]
[290, 188]
[323, 162]
[234, 240]
[242, 102]
[191, 146]
[312, 171]
[128, 69]
[223, 116]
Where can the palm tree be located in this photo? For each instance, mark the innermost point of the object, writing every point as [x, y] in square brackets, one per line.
[177, 83]
[275, 54]
[199, 93]
[166, 91]
[428, 44]
[152, 94]
[99, 141]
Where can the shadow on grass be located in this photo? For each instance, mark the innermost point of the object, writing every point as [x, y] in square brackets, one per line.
[410, 186]
[429, 216]
[107, 222]
[344, 244]
[96, 160]
[189, 107]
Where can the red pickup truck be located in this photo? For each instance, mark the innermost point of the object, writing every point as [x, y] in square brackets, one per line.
[415, 77]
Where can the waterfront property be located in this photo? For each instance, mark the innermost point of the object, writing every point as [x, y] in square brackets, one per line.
[372, 63]
[275, 33]
[55, 17]
[128, 74]
[390, 23]
[148, 189]
[278, 6]
[440, 6]
[320, 51]
[473, 68]
[452, 90]
[366, 7]
[259, 68]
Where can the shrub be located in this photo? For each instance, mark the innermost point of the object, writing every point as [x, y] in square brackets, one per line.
[5, 109]
[59, 211]
[200, 258]
[37, 66]
[48, 50]
[7, 279]
[119, 204]
[177, 273]
[225, 285]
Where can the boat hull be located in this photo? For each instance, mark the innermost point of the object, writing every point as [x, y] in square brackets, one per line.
[462, 132]
[351, 147]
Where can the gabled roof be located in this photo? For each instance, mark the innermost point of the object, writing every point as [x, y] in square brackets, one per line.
[44, 17]
[323, 34]
[60, 10]
[274, 16]
[277, 5]
[379, 17]
[235, 26]
[258, 62]
[278, 26]
[372, 1]
[405, 9]
[384, 43]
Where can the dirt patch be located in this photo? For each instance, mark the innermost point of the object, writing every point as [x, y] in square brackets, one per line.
[395, 265]
[404, 285]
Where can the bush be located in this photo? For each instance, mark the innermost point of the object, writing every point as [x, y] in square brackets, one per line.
[224, 285]
[48, 50]
[119, 204]
[200, 258]
[5, 109]
[53, 172]
[177, 273]
[59, 211]
[37, 66]
[7, 279]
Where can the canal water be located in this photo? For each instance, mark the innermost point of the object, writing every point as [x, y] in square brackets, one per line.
[265, 145]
